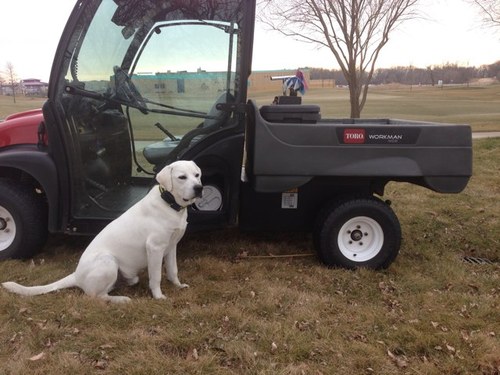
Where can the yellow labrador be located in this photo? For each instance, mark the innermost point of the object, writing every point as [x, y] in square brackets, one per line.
[142, 237]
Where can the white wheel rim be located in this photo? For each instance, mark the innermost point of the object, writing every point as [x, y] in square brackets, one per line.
[7, 229]
[360, 239]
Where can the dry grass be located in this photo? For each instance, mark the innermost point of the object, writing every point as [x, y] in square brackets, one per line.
[429, 313]
[23, 103]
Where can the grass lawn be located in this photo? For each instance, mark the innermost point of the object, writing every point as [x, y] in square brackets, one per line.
[23, 103]
[248, 312]
[263, 304]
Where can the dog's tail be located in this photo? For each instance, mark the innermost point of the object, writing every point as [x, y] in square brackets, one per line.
[66, 282]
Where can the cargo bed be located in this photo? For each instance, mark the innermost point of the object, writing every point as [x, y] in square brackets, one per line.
[287, 145]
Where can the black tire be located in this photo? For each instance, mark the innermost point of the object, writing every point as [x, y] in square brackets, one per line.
[356, 233]
[23, 220]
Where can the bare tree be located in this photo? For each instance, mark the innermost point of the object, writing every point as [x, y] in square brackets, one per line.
[11, 78]
[355, 31]
[490, 10]
[1, 82]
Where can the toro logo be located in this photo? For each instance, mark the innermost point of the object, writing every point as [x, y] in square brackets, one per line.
[354, 135]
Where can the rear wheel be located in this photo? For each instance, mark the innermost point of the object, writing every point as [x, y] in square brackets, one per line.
[23, 220]
[360, 232]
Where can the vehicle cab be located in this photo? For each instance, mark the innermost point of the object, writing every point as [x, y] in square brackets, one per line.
[137, 85]
[134, 86]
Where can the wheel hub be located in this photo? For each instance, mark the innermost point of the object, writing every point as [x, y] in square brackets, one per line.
[360, 239]
[7, 228]
[3, 223]
[356, 235]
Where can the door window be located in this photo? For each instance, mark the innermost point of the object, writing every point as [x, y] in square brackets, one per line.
[192, 63]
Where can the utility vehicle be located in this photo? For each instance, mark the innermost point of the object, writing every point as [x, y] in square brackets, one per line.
[137, 84]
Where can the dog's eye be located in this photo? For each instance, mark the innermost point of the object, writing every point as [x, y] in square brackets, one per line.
[197, 175]
[182, 177]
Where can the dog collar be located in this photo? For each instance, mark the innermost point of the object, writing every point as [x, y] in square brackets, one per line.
[169, 199]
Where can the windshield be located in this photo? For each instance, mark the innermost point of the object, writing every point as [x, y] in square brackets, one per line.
[102, 47]
[152, 46]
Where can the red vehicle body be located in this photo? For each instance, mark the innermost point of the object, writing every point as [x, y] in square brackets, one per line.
[21, 128]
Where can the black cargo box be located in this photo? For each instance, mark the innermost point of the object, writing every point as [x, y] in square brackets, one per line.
[290, 113]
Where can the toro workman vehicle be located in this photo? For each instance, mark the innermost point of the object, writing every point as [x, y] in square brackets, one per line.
[138, 84]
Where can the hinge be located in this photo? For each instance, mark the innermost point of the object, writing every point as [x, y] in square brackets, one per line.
[232, 107]
[42, 134]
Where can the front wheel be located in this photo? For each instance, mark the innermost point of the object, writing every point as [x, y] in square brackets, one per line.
[360, 232]
[23, 220]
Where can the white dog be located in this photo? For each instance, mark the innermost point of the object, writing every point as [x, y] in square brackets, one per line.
[142, 237]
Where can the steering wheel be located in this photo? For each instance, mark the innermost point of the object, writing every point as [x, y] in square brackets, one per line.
[126, 91]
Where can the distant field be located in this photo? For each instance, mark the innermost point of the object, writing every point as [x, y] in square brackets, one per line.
[478, 106]
[23, 103]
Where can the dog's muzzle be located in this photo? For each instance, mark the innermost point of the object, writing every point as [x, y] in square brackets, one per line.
[198, 191]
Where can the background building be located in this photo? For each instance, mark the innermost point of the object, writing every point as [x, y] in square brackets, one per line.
[33, 86]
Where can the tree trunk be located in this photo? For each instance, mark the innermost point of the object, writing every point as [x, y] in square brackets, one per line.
[354, 98]
[354, 30]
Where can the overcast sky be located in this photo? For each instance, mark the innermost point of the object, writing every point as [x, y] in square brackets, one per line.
[451, 32]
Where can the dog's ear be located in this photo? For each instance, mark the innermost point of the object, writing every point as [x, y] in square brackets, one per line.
[165, 178]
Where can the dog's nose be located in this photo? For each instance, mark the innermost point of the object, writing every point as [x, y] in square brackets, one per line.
[198, 191]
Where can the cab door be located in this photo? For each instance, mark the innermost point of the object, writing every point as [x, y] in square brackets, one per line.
[136, 85]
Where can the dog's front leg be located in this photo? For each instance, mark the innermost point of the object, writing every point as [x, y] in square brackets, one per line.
[171, 267]
[154, 269]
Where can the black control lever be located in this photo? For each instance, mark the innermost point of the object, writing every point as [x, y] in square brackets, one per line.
[164, 130]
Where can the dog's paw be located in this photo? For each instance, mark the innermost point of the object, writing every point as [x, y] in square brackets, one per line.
[182, 286]
[116, 299]
[159, 296]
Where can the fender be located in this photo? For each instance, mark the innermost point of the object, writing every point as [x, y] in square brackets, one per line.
[38, 164]
[20, 128]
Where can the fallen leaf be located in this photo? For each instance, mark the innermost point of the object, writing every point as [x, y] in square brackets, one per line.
[106, 346]
[465, 336]
[400, 362]
[192, 355]
[37, 357]
[100, 364]
[274, 347]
